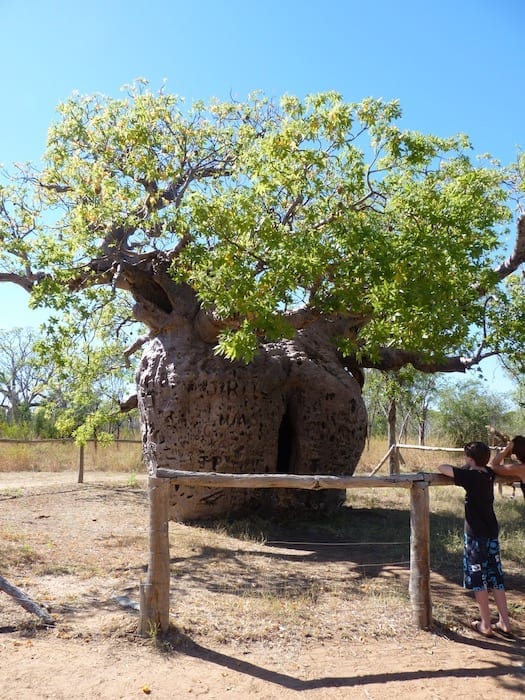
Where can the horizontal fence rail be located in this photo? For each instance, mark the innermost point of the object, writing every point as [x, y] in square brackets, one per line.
[430, 448]
[305, 481]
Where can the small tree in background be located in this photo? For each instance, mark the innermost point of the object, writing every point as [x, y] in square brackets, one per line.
[412, 392]
[67, 383]
[23, 381]
[90, 374]
[464, 411]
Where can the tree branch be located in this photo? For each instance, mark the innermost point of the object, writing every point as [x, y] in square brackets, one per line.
[517, 257]
[303, 317]
[138, 343]
[129, 403]
[26, 281]
[392, 359]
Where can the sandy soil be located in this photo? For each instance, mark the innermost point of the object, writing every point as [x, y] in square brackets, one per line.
[80, 551]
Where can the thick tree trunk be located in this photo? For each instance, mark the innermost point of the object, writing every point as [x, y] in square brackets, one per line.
[293, 410]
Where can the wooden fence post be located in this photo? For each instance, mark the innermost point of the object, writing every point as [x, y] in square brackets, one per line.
[81, 465]
[155, 591]
[419, 586]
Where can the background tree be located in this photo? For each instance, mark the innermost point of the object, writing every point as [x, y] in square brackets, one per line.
[384, 395]
[466, 409]
[91, 373]
[516, 373]
[23, 382]
[512, 356]
[272, 251]
[421, 396]
[67, 380]
[412, 392]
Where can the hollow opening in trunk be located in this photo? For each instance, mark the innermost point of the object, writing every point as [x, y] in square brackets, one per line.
[285, 445]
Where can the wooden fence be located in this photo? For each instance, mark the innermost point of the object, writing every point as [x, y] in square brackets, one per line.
[154, 593]
[396, 459]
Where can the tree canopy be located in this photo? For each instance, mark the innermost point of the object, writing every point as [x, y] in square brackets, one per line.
[264, 216]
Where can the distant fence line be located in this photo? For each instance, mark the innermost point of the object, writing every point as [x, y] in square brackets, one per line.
[394, 455]
[25, 441]
[68, 441]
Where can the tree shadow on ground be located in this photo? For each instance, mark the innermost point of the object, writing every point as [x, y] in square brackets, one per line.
[328, 552]
[373, 538]
[175, 643]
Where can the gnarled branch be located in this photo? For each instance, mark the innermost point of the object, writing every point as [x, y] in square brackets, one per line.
[517, 257]
[392, 359]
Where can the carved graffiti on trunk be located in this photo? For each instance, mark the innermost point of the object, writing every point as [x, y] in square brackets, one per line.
[294, 410]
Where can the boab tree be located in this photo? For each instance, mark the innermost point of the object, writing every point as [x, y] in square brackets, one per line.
[272, 251]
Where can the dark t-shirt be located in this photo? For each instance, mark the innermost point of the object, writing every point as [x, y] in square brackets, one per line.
[480, 519]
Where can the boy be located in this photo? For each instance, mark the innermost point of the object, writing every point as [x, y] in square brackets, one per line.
[515, 447]
[481, 558]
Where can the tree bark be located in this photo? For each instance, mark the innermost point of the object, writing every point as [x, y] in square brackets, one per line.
[393, 459]
[81, 465]
[293, 410]
[423, 426]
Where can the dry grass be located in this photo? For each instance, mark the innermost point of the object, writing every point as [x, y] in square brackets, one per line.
[78, 549]
[58, 456]
[63, 455]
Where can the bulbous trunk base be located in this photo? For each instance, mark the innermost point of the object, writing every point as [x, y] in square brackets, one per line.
[293, 410]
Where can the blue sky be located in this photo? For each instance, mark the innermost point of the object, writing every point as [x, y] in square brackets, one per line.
[454, 66]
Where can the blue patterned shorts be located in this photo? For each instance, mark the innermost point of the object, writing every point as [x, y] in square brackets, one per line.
[482, 564]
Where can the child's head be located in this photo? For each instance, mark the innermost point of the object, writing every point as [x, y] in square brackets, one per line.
[518, 447]
[479, 452]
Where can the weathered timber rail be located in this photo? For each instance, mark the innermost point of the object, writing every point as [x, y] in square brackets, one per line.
[297, 481]
[154, 607]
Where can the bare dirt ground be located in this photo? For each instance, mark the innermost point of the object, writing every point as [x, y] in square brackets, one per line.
[250, 619]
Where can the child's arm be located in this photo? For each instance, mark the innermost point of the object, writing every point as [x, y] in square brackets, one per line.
[516, 469]
[447, 470]
[500, 457]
